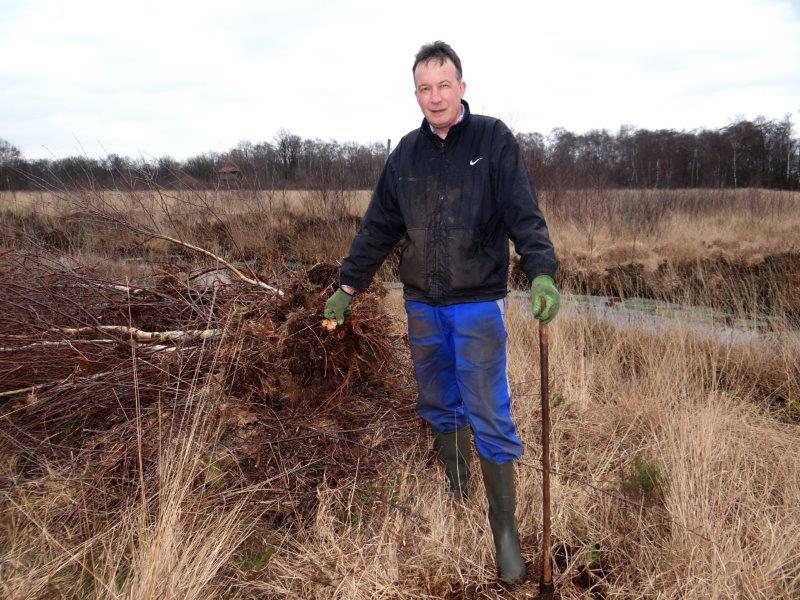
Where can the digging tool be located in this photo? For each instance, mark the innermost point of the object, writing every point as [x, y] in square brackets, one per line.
[546, 587]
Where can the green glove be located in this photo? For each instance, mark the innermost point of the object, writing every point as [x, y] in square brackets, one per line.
[544, 288]
[337, 306]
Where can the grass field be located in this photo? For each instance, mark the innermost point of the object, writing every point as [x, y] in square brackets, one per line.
[589, 228]
[737, 251]
[678, 455]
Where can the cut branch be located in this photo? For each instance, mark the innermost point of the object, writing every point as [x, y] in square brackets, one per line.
[51, 344]
[60, 382]
[228, 265]
[145, 336]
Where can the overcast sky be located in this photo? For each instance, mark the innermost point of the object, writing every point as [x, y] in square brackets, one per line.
[179, 78]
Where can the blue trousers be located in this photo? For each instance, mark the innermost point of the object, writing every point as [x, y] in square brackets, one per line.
[459, 356]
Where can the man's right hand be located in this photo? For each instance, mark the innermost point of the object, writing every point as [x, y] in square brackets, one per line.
[337, 306]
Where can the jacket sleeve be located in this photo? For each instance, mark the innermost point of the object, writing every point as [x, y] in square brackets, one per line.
[519, 208]
[380, 229]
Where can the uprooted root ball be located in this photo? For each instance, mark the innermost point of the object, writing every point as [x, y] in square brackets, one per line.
[95, 374]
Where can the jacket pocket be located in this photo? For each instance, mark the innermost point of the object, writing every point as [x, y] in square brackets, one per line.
[472, 264]
[412, 260]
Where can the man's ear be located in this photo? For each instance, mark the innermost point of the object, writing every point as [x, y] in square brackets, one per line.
[463, 87]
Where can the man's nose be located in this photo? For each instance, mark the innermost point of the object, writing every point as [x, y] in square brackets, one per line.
[436, 97]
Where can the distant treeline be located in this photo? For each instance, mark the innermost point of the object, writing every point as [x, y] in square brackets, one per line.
[758, 153]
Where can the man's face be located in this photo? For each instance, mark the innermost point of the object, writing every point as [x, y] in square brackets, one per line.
[439, 93]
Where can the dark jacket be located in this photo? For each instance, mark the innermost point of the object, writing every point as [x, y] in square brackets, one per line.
[457, 201]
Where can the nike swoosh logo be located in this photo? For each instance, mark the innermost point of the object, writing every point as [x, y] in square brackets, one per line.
[473, 162]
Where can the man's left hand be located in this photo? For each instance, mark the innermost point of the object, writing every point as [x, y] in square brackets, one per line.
[544, 288]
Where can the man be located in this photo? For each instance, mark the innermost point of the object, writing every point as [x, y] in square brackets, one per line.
[456, 190]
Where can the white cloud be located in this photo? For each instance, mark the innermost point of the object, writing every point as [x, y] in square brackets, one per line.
[179, 78]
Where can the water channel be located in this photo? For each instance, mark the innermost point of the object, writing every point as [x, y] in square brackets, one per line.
[643, 314]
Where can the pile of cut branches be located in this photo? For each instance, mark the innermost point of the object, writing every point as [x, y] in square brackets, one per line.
[97, 375]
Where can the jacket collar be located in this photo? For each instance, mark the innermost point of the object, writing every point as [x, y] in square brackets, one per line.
[453, 132]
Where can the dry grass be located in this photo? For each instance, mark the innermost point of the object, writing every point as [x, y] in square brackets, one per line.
[589, 228]
[712, 483]
[169, 541]
[224, 201]
[703, 482]
[737, 251]
[602, 228]
[298, 226]
[694, 444]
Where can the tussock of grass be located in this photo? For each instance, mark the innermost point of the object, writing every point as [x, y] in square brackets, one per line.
[173, 540]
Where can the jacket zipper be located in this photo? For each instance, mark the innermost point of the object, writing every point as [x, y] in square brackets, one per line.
[440, 236]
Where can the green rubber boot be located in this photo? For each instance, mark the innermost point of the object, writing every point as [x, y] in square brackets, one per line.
[498, 479]
[452, 450]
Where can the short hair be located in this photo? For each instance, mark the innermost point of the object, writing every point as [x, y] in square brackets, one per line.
[440, 52]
